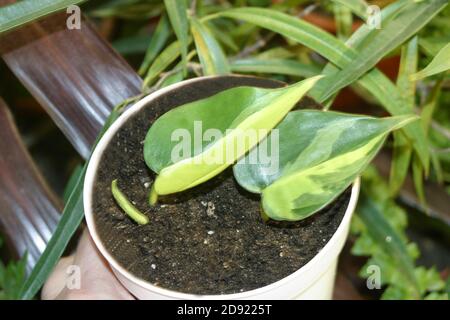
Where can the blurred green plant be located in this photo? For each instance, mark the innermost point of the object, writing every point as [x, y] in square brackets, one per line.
[12, 277]
[380, 225]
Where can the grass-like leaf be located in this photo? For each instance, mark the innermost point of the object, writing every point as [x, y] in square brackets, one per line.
[275, 66]
[320, 154]
[402, 147]
[177, 11]
[440, 63]
[164, 59]
[22, 12]
[71, 218]
[394, 33]
[358, 7]
[159, 39]
[341, 55]
[233, 115]
[212, 57]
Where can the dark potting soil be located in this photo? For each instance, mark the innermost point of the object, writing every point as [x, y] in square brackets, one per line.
[210, 239]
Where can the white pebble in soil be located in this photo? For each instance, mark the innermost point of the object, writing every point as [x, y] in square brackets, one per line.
[211, 208]
[210, 232]
[153, 266]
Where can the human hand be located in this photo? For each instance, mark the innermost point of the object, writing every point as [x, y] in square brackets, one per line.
[97, 281]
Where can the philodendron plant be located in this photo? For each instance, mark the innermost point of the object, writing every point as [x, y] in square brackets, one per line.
[317, 153]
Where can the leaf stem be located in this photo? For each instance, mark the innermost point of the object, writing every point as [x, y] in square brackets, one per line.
[153, 196]
[127, 206]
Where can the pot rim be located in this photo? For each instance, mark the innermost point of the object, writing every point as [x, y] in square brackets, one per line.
[87, 201]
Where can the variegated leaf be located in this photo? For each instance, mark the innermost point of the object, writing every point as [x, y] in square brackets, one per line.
[234, 113]
[319, 154]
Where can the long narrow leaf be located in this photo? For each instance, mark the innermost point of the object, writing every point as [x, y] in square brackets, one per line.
[159, 39]
[212, 57]
[339, 54]
[440, 63]
[412, 19]
[402, 147]
[177, 11]
[358, 7]
[71, 218]
[275, 66]
[22, 12]
[165, 59]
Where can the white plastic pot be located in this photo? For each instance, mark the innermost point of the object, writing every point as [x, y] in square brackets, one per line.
[315, 280]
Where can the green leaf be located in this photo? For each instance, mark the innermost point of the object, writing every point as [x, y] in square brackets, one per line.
[165, 59]
[342, 56]
[408, 66]
[212, 57]
[231, 117]
[440, 63]
[22, 12]
[177, 11]
[402, 147]
[129, 45]
[275, 66]
[358, 7]
[417, 171]
[159, 39]
[344, 21]
[401, 159]
[72, 182]
[12, 277]
[429, 279]
[291, 27]
[223, 37]
[393, 34]
[320, 154]
[71, 218]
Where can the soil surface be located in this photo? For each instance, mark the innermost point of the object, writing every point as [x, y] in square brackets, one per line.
[210, 239]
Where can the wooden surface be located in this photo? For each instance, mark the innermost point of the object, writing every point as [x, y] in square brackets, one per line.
[74, 74]
[29, 210]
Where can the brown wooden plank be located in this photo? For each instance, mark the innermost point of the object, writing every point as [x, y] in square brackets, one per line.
[29, 210]
[74, 74]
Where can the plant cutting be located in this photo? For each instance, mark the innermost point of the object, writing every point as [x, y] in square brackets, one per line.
[181, 217]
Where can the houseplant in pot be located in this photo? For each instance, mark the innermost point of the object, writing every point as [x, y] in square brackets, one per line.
[232, 214]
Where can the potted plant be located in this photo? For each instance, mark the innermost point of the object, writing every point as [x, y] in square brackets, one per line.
[174, 224]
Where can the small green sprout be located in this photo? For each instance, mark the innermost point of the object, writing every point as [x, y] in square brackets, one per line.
[127, 206]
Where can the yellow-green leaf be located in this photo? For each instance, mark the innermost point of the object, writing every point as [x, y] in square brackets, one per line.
[320, 153]
[232, 117]
[440, 63]
[211, 55]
